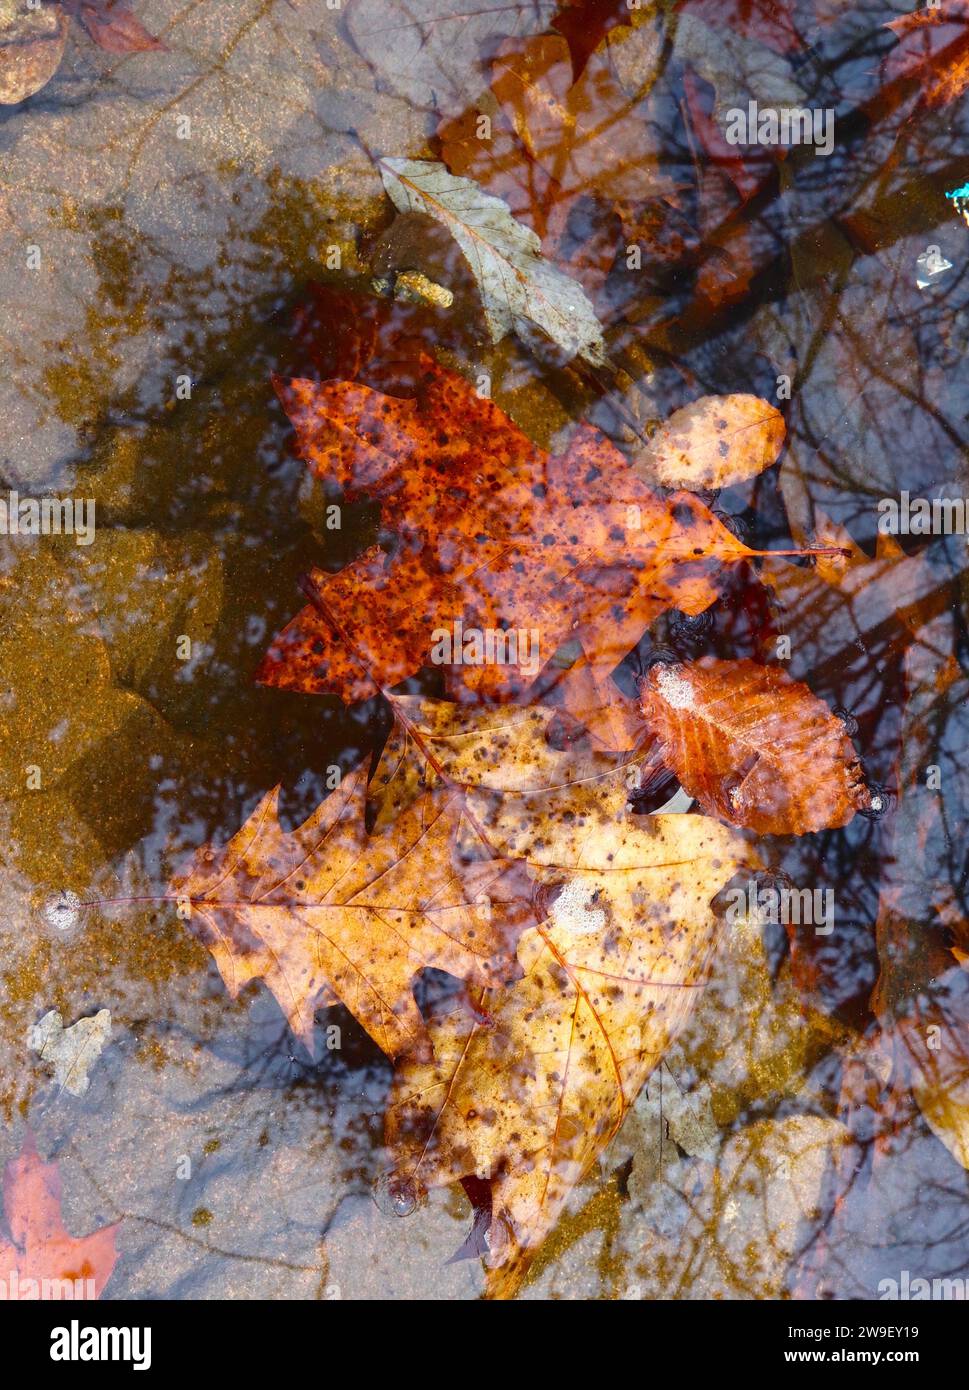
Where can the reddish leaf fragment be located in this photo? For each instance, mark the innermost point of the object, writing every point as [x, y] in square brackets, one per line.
[114, 27]
[753, 746]
[934, 47]
[41, 1256]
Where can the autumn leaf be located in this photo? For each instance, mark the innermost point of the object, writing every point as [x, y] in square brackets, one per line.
[33, 38]
[753, 746]
[328, 913]
[40, 1254]
[519, 290]
[113, 26]
[713, 442]
[526, 1091]
[584, 23]
[933, 47]
[570, 547]
[509, 764]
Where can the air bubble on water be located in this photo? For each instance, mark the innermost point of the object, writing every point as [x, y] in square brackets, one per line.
[394, 1195]
[61, 912]
[880, 802]
[690, 626]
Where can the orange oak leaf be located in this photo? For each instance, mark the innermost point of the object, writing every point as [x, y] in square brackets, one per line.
[41, 1258]
[526, 1094]
[934, 47]
[328, 913]
[492, 534]
[753, 746]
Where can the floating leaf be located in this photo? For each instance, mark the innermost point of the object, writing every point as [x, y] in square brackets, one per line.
[494, 534]
[713, 442]
[526, 1091]
[753, 746]
[519, 290]
[327, 912]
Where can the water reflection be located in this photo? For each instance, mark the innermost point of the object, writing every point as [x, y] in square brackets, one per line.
[807, 1133]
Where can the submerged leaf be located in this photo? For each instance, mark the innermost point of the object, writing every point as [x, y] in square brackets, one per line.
[432, 53]
[71, 1052]
[934, 47]
[529, 1092]
[40, 1248]
[753, 746]
[327, 912]
[113, 26]
[519, 290]
[32, 42]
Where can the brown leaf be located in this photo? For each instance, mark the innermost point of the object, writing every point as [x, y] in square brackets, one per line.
[327, 912]
[113, 26]
[570, 547]
[753, 746]
[584, 23]
[40, 1254]
[527, 1094]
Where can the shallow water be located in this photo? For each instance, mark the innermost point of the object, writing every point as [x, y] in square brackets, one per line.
[181, 267]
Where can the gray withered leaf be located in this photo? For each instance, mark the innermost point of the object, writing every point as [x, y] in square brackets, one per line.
[519, 289]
